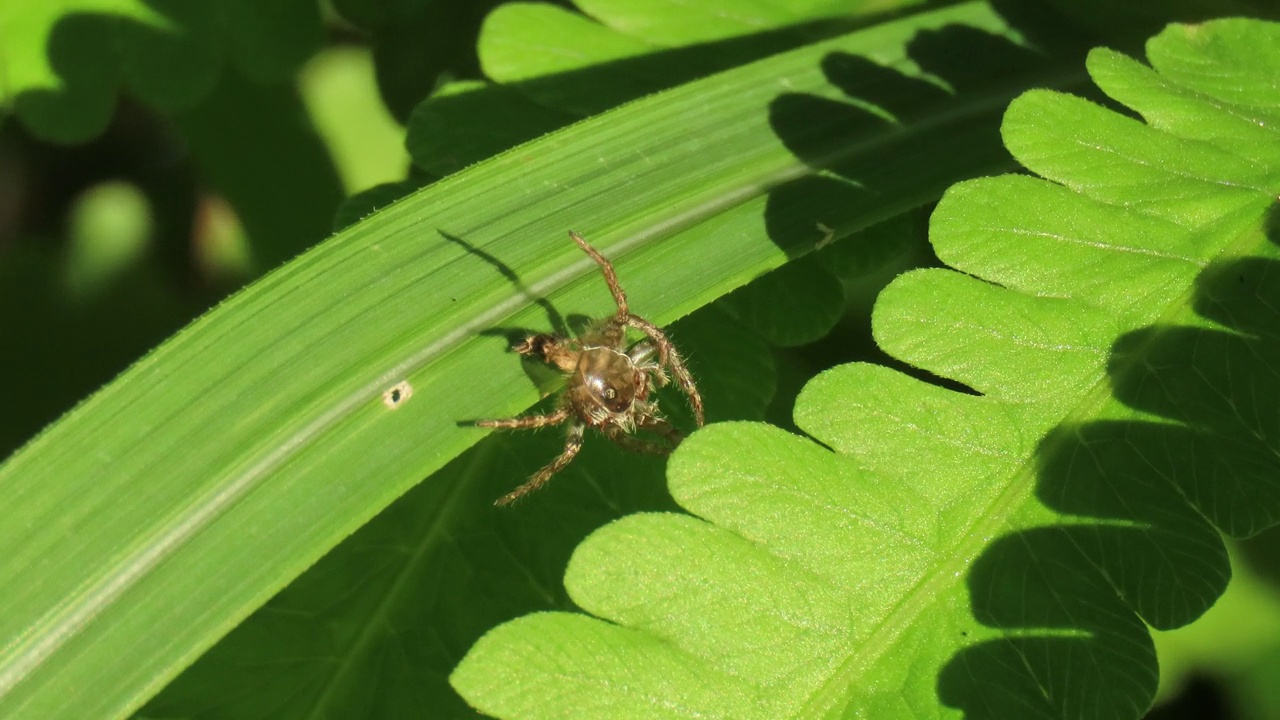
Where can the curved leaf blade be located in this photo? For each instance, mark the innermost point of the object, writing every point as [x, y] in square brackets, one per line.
[151, 520]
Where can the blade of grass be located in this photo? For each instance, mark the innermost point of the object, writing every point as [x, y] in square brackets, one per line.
[145, 524]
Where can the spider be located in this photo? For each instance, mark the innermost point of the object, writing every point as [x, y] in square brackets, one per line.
[608, 383]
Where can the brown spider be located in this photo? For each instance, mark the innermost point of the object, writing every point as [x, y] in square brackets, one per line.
[608, 384]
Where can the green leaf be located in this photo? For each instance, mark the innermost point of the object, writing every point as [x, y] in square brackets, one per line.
[223, 73]
[991, 553]
[442, 145]
[1131, 23]
[460, 565]
[417, 43]
[229, 137]
[869, 251]
[796, 304]
[672, 23]
[65, 62]
[550, 66]
[164, 510]
[364, 203]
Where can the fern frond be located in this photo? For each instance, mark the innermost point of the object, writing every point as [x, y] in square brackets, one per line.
[993, 554]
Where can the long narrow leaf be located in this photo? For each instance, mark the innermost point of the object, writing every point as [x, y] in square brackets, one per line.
[147, 523]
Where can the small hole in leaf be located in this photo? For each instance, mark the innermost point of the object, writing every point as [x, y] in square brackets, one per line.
[395, 396]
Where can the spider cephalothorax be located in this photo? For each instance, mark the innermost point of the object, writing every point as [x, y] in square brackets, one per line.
[608, 384]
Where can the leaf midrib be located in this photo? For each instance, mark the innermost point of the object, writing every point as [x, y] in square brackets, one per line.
[1017, 496]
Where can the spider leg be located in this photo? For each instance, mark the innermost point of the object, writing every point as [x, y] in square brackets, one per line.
[663, 428]
[642, 352]
[554, 417]
[660, 378]
[610, 277]
[572, 444]
[635, 444]
[669, 356]
[551, 349]
[642, 355]
[612, 332]
[607, 333]
[535, 345]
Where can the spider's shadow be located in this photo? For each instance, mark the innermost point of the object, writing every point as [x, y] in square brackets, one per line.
[545, 378]
[558, 324]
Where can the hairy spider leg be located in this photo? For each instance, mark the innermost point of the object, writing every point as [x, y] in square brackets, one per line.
[635, 444]
[572, 444]
[642, 355]
[613, 333]
[663, 428]
[642, 352]
[669, 356]
[551, 349]
[554, 417]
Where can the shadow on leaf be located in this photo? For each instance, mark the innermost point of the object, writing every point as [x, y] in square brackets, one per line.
[1071, 602]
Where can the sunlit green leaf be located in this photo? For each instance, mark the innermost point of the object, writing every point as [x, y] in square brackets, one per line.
[999, 549]
[164, 510]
